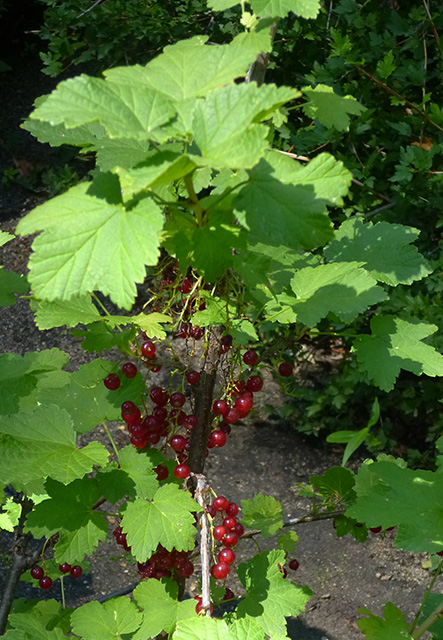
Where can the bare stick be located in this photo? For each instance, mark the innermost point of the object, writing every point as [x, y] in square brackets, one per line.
[205, 542]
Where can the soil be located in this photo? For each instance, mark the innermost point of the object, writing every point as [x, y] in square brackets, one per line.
[261, 456]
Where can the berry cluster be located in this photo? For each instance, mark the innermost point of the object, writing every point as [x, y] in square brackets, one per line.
[45, 582]
[166, 564]
[227, 530]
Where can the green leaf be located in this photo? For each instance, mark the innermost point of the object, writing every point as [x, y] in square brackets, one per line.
[175, 73]
[125, 110]
[281, 8]
[384, 248]
[269, 596]
[287, 542]
[46, 434]
[221, 5]
[5, 237]
[203, 628]
[392, 627]
[224, 124]
[386, 66]
[125, 153]
[396, 344]
[341, 288]
[71, 259]
[84, 136]
[106, 621]
[79, 309]
[139, 467]
[433, 601]
[115, 483]
[86, 399]
[99, 336]
[161, 608]
[263, 513]
[329, 108]
[282, 215]
[337, 483]
[168, 520]
[10, 514]
[11, 283]
[68, 510]
[388, 495]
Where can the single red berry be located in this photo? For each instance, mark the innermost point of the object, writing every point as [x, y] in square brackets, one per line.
[250, 358]
[199, 607]
[129, 370]
[193, 377]
[156, 368]
[226, 340]
[219, 533]
[178, 443]
[294, 565]
[139, 442]
[440, 553]
[243, 404]
[230, 539]
[254, 384]
[160, 413]
[216, 439]
[232, 509]
[37, 572]
[232, 416]
[375, 529]
[162, 573]
[185, 286]
[229, 595]
[121, 539]
[153, 437]
[112, 382]
[229, 522]
[65, 567]
[159, 396]
[197, 333]
[220, 570]
[148, 349]
[186, 570]
[117, 531]
[76, 571]
[177, 400]
[239, 529]
[226, 428]
[285, 369]
[161, 471]
[226, 555]
[190, 422]
[182, 471]
[137, 430]
[45, 582]
[220, 407]
[220, 503]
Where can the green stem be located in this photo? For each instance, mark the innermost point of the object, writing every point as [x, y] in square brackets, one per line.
[112, 441]
[194, 200]
[62, 589]
[426, 596]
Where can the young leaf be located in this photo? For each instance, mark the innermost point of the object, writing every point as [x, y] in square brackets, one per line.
[396, 344]
[11, 283]
[71, 259]
[269, 593]
[168, 520]
[384, 248]
[161, 608]
[106, 621]
[329, 108]
[341, 288]
[79, 309]
[392, 627]
[388, 495]
[336, 482]
[264, 513]
[9, 515]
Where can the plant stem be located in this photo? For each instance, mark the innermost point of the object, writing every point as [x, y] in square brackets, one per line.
[294, 521]
[426, 596]
[112, 441]
[194, 200]
[205, 542]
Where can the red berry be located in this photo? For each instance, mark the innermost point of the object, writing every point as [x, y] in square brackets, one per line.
[440, 553]
[254, 384]
[37, 572]
[182, 471]
[232, 416]
[226, 340]
[185, 286]
[185, 570]
[375, 529]
[199, 606]
[232, 509]
[220, 503]
[112, 382]
[76, 571]
[230, 539]
[139, 442]
[178, 443]
[229, 522]
[294, 565]
[117, 531]
[190, 422]
[65, 567]
[243, 404]
[45, 582]
[220, 407]
[226, 555]
[148, 349]
[129, 370]
[220, 570]
[161, 413]
[197, 333]
[219, 533]
[161, 471]
[216, 439]
[177, 400]
[239, 529]
[250, 358]
[193, 377]
[159, 396]
[226, 428]
[285, 369]
[229, 595]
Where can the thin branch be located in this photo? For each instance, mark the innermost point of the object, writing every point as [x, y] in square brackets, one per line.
[202, 487]
[295, 521]
[434, 30]
[90, 8]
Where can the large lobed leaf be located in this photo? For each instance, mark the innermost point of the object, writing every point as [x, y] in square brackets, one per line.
[392, 627]
[91, 242]
[263, 513]
[329, 108]
[106, 621]
[396, 344]
[388, 496]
